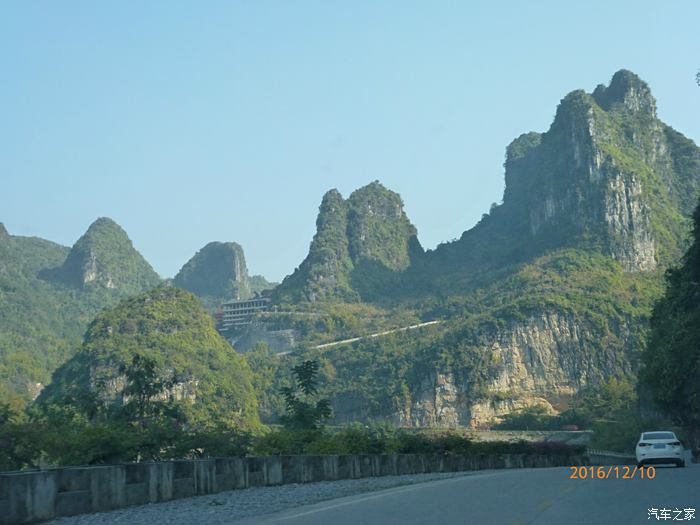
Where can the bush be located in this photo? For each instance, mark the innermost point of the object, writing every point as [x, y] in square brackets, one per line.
[383, 438]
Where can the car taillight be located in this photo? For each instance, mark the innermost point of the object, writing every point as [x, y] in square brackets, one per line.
[676, 443]
[643, 444]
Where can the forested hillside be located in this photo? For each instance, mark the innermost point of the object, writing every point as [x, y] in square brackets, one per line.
[193, 365]
[48, 295]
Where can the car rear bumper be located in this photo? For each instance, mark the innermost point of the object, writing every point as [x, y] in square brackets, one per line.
[660, 456]
[661, 461]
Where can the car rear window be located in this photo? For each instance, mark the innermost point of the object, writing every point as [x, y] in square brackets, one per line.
[659, 435]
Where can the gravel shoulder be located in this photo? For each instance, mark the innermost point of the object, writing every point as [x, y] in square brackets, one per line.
[228, 507]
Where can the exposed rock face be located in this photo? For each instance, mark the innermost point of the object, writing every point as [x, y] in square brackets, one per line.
[111, 391]
[218, 270]
[595, 171]
[3, 232]
[367, 234]
[104, 256]
[627, 217]
[541, 361]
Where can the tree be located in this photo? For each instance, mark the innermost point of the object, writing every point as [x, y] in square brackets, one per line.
[671, 362]
[304, 411]
[144, 387]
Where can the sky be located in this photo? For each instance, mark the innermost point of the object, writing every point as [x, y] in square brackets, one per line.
[191, 122]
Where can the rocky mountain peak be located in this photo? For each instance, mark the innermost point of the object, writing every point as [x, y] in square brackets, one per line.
[332, 209]
[105, 256]
[378, 229]
[3, 231]
[216, 271]
[355, 238]
[607, 175]
[626, 90]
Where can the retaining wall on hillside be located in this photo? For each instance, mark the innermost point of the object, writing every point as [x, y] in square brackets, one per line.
[29, 497]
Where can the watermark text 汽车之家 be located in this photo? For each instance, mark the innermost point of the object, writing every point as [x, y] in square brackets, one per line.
[668, 514]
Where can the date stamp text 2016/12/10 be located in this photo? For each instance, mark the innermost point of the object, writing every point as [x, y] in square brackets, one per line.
[612, 472]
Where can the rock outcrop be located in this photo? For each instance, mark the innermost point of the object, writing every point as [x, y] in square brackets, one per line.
[540, 361]
[597, 191]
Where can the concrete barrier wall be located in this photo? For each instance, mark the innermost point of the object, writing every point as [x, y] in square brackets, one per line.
[30, 497]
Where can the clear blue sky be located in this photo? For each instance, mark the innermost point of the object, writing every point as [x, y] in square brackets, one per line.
[188, 122]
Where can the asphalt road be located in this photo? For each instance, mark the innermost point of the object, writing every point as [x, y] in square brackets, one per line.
[524, 496]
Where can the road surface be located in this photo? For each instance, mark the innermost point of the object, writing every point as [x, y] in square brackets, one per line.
[511, 497]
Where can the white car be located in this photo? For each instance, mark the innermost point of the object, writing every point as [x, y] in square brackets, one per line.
[659, 447]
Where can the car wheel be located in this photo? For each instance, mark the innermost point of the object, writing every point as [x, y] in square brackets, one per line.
[680, 464]
[640, 464]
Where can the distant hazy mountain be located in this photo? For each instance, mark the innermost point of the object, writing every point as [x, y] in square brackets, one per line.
[104, 256]
[49, 294]
[218, 273]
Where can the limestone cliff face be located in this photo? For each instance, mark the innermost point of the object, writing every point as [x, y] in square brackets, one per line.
[541, 361]
[110, 391]
[596, 172]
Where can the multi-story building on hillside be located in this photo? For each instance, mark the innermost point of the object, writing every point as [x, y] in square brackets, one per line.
[236, 314]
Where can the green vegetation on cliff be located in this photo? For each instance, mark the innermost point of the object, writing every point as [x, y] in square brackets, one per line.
[152, 380]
